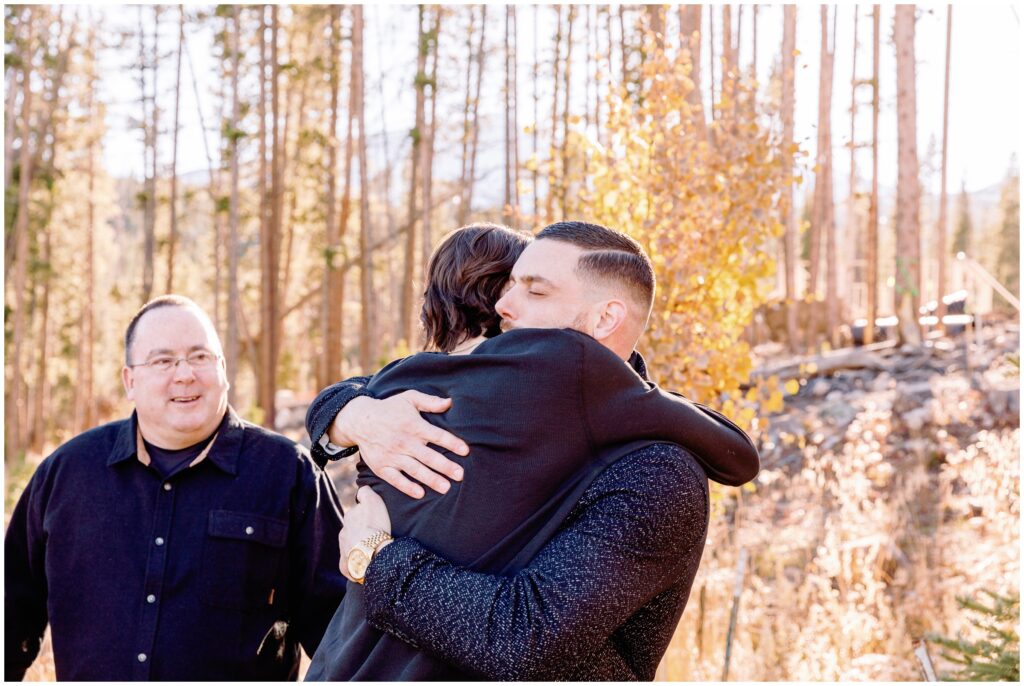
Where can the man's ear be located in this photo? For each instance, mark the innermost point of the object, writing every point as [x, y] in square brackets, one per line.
[128, 379]
[612, 316]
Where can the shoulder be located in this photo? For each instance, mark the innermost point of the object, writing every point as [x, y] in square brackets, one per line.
[659, 489]
[260, 442]
[539, 341]
[80, 457]
[661, 469]
[93, 445]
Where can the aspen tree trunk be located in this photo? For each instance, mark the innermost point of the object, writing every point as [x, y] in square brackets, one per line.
[262, 189]
[408, 294]
[41, 385]
[233, 215]
[588, 77]
[605, 75]
[368, 318]
[273, 292]
[174, 154]
[330, 311]
[852, 235]
[474, 142]
[515, 111]
[711, 61]
[690, 39]
[753, 61]
[149, 219]
[564, 152]
[822, 185]
[872, 256]
[426, 226]
[790, 237]
[346, 194]
[942, 238]
[656, 23]
[829, 224]
[728, 60]
[83, 389]
[738, 41]
[908, 191]
[623, 51]
[824, 229]
[14, 405]
[507, 208]
[549, 201]
[534, 135]
[467, 121]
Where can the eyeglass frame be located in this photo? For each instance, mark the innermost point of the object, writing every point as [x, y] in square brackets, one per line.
[178, 360]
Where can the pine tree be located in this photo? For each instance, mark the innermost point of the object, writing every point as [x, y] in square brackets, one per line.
[996, 657]
[964, 229]
[1008, 260]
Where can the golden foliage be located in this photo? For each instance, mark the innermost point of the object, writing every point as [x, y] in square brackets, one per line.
[704, 202]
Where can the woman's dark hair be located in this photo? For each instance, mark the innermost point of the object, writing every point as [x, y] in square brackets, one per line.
[465, 278]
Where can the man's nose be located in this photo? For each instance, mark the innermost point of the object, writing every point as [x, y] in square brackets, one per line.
[183, 370]
[503, 306]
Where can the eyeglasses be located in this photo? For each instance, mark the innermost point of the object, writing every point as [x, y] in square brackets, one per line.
[201, 359]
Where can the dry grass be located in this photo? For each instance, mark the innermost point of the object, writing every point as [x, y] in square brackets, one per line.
[858, 551]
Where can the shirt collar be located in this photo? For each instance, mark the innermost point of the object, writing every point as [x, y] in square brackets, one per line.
[636, 361]
[222, 451]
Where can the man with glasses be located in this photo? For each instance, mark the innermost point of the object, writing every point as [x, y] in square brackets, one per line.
[181, 543]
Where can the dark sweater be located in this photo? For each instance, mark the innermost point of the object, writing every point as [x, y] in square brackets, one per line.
[544, 412]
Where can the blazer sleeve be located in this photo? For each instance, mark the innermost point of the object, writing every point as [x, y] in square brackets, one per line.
[325, 408]
[627, 545]
[621, 407]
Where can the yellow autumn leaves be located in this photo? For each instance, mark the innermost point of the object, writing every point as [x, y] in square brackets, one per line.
[705, 201]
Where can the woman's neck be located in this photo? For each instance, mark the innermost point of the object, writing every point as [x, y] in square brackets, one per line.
[467, 345]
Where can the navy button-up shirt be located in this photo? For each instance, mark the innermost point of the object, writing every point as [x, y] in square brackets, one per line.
[216, 573]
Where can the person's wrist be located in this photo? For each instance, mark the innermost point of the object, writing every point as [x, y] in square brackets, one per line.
[344, 429]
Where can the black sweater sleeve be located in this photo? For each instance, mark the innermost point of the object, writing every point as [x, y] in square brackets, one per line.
[620, 406]
[325, 408]
[640, 530]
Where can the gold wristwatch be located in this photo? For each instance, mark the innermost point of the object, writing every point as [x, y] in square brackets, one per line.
[361, 555]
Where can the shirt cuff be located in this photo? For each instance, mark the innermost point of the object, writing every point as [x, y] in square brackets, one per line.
[336, 451]
[329, 448]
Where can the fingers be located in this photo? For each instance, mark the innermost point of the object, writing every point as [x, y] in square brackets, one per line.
[427, 403]
[435, 461]
[417, 470]
[400, 482]
[446, 440]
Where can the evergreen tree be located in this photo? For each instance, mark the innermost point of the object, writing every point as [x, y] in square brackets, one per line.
[1008, 233]
[996, 656]
[964, 229]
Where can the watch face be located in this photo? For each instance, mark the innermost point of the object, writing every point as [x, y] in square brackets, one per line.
[358, 561]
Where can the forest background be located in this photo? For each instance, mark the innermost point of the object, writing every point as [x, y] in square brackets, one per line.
[790, 170]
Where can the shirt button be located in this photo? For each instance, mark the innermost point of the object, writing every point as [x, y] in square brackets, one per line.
[249, 531]
[159, 541]
[142, 657]
[151, 598]
[167, 487]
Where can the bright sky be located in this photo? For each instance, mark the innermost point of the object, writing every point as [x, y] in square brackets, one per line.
[985, 108]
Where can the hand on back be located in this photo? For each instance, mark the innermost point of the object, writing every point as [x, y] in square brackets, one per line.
[393, 440]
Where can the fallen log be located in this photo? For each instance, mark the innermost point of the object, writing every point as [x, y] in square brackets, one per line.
[813, 366]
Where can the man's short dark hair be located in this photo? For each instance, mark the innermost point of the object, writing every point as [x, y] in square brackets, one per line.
[154, 304]
[610, 255]
[465, 279]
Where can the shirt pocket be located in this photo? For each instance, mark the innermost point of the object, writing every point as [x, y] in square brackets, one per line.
[242, 555]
